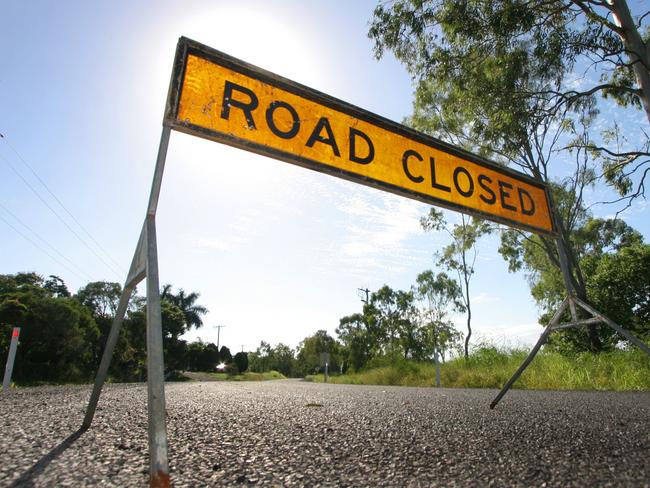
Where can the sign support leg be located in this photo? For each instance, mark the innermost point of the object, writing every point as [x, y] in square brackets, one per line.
[572, 302]
[532, 354]
[107, 356]
[136, 273]
[145, 264]
[603, 318]
[158, 464]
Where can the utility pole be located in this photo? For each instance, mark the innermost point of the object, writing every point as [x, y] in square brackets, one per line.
[367, 292]
[218, 327]
[242, 347]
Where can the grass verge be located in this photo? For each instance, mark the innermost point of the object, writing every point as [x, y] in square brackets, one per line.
[247, 376]
[490, 367]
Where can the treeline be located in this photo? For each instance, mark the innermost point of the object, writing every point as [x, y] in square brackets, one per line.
[63, 335]
[394, 325]
[415, 324]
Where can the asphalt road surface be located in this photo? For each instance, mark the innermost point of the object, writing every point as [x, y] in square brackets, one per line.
[292, 433]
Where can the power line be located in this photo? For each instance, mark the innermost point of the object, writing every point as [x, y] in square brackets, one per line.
[45, 241]
[60, 202]
[57, 215]
[39, 247]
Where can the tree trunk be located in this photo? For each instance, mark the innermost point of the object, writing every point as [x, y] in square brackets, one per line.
[437, 363]
[469, 329]
[466, 276]
[573, 280]
[636, 49]
[469, 313]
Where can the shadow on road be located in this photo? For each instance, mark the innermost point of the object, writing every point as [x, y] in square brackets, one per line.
[27, 479]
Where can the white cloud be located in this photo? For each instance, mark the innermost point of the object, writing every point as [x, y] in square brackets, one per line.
[218, 244]
[377, 230]
[482, 298]
[509, 336]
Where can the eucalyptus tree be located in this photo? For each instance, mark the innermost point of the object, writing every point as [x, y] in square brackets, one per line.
[498, 77]
[359, 342]
[439, 295]
[460, 254]
[384, 307]
[543, 56]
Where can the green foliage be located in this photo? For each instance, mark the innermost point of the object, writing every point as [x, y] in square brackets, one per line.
[186, 302]
[610, 254]
[438, 296]
[399, 325]
[279, 358]
[508, 65]
[490, 367]
[62, 337]
[224, 355]
[309, 353]
[496, 77]
[247, 376]
[57, 333]
[619, 286]
[231, 369]
[56, 287]
[202, 356]
[100, 297]
[460, 254]
[241, 361]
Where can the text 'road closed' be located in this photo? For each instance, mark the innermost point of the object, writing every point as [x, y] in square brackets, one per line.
[224, 99]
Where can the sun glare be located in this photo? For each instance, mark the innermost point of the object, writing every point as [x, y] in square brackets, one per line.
[272, 39]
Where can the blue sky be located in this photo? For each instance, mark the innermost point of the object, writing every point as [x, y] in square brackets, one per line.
[277, 252]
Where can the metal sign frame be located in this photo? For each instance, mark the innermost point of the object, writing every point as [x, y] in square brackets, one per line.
[145, 259]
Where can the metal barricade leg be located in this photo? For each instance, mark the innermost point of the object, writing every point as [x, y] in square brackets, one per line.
[107, 356]
[158, 462]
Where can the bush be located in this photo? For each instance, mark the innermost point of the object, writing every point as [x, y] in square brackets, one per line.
[491, 367]
[231, 369]
[241, 360]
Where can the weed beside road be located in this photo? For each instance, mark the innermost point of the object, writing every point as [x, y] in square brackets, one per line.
[490, 367]
[247, 376]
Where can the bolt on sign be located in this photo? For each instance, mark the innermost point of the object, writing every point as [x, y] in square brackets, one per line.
[218, 97]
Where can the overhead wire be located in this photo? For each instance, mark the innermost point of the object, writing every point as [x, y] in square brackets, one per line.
[61, 219]
[39, 247]
[47, 243]
[99, 246]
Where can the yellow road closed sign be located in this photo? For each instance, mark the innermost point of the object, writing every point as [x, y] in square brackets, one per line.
[221, 98]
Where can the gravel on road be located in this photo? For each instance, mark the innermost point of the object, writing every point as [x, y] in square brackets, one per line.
[294, 433]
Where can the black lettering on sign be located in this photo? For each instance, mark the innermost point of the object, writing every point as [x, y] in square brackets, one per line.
[295, 127]
[405, 164]
[504, 195]
[492, 198]
[354, 133]
[434, 183]
[315, 136]
[531, 209]
[470, 190]
[246, 107]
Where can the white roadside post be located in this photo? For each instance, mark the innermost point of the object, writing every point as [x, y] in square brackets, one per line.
[9, 367]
